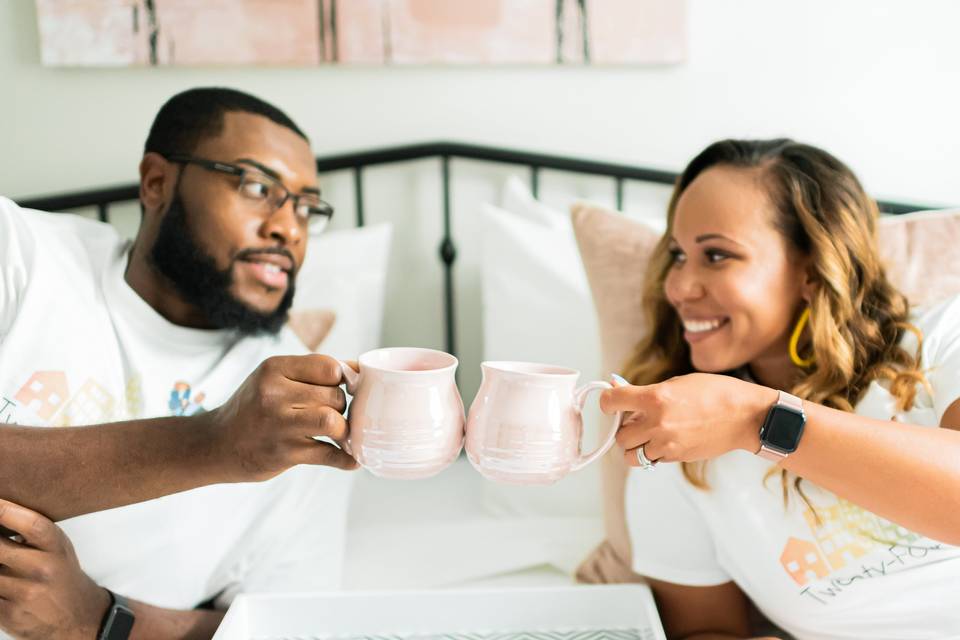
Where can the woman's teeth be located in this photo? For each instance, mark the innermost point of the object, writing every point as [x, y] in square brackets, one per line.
[700, 326]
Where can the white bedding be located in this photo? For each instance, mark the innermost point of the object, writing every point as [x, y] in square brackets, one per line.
[440, 532]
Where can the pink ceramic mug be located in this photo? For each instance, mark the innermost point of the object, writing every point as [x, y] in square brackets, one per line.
[406, 418]
[525, 425]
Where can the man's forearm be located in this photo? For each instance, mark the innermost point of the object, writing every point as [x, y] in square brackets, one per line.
[65, 472]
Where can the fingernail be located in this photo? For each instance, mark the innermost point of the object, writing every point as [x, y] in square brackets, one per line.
[619, 380]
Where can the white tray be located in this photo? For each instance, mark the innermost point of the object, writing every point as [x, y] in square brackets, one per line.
[620, 612]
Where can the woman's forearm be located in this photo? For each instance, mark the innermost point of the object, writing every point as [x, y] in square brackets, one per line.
[905, 473]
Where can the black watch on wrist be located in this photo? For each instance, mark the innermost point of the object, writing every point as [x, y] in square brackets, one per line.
[118, 621]
[782, 429]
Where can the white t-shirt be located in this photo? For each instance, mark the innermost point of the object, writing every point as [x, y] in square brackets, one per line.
[850, 575]
[79, 346]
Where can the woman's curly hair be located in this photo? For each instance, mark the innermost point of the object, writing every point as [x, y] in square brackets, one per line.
[857, 317]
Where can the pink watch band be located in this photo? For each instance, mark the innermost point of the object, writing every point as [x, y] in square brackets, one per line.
[787, 400]
[790, 400]
[771, 454]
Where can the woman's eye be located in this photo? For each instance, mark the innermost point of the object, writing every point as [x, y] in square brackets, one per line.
[714, 257]
[677, 257]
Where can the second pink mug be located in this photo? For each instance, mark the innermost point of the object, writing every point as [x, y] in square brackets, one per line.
[525, 425]
[406, 418]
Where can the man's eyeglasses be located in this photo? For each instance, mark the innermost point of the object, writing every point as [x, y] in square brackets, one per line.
[267, 193]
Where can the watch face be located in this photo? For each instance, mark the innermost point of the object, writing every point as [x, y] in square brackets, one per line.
[120, 624]
[783, 428]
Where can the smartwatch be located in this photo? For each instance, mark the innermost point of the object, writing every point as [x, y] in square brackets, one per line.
[782, 428]
[118, 621]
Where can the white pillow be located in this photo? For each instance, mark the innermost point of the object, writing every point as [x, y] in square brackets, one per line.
[536, 299]
[345, 272]
[518, 199]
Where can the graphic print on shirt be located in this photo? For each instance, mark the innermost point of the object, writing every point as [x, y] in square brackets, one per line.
[44, 394]
[46, 399]
[134, 396]
[7, 410]
[847, 545]
[183, 402]
[90, 405]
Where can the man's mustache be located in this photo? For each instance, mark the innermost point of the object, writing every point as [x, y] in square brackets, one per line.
[248, 254]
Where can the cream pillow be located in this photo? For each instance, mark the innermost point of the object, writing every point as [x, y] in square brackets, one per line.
[919, 253]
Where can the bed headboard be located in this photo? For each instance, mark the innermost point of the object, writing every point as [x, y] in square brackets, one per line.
[620, 175]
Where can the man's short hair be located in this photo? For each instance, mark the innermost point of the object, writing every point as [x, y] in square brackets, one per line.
[189, 117]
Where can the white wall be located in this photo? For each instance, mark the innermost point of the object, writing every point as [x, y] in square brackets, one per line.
[875, 81]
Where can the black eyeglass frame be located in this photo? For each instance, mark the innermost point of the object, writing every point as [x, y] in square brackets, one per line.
[324, 211]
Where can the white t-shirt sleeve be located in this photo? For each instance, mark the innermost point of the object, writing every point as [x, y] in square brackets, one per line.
[669, 537]
[300, 543]
[942, 354]
[16, 246]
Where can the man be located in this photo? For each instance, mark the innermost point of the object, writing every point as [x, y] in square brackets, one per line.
[185, 322]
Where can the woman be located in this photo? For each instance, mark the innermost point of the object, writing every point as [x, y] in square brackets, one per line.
[768, 279]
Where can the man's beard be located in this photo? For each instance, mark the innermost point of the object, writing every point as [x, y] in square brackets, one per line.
[194, 275]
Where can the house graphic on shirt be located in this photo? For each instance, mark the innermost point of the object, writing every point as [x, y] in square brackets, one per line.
[44, 393]
[875, 528]
[91, 405]
[836, 536]
[47, 395]
[841, 533]
[803, 561]
[133, 394]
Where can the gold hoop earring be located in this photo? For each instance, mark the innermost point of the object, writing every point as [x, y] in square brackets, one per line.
[795, 339]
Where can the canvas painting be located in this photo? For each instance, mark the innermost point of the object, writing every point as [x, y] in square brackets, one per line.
[369, 32]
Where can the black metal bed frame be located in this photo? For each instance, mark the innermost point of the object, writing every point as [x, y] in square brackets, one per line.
[103, 198]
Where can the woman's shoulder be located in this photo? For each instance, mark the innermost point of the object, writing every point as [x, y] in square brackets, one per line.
[939, 324]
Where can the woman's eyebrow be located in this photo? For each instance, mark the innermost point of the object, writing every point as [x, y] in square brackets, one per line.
[715, 236]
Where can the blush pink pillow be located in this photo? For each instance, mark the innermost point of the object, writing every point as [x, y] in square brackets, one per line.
[312, 325]
[920, 253]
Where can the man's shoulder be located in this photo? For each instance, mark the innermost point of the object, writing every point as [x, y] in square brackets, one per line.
[61, 225]
[57, 236]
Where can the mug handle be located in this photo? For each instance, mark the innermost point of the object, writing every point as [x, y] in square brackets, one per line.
[351, 380]
[580, 399]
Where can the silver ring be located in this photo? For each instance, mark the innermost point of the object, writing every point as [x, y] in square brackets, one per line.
[645, 463]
